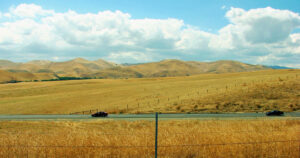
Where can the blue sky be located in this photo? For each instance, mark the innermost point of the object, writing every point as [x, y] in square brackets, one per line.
[207, 15]
[257, 32]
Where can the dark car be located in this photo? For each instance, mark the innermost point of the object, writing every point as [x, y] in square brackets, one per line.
[100, 114]
[274, 113]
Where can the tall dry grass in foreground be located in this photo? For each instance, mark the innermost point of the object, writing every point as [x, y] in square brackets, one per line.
[182, 138]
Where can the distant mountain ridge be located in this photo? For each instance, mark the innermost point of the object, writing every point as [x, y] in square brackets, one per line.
[80, 67]
[173, 67]
[279, 67]
[76, 67]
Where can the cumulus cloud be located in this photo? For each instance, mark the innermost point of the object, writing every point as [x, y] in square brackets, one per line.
[30, 11]
[193, 39]
[131, 57]
[263, 33]
[260, 35]
[264, 25]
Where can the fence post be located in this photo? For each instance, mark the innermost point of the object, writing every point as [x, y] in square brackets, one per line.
[156, 132]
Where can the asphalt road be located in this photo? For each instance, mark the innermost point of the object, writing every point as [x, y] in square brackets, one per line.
[292, 115]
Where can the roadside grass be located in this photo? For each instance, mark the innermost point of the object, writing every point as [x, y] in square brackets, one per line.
[230, 92]
[180, 138]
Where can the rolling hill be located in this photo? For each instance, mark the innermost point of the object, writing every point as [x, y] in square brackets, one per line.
[12, 77]
[168, 68]
[74, 68]
[6, 64]
[116, 72]
[80, 67]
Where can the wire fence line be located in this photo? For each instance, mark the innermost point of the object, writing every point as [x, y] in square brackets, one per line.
[145, 146]
[237, 143]
[208, 132]
[85, 112]
[293, 142]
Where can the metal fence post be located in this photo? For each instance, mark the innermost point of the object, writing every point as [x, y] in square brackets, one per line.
[156, 132]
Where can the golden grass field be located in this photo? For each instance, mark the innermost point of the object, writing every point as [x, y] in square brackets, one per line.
[229, 92]
[180, 138]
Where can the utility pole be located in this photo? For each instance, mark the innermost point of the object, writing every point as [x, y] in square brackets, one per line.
[156, 133]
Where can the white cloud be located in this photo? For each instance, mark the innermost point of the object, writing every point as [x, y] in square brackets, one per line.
[295, 39]
[136, 57]
[55, 58]
[263, 25]
[7, 15]
[260, 35]
[30, 11]
[267, 58]
[192, 39]
[263, 33]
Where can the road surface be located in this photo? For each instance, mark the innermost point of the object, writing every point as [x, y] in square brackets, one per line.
[291, 115]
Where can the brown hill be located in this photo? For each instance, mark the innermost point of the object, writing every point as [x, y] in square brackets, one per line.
[7, 77]
[225, 66]
[76, 67]
[80, 67]
[5, 64]
[116, 72]
[182, 68]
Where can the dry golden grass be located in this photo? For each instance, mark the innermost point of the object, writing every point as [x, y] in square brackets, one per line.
[246, 91]
[181, 138]
[281, 94]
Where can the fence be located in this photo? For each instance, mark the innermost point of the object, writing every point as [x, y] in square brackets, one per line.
[85, 112]
[158, 145]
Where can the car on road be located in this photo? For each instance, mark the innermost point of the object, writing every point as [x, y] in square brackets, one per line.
[100, 114]
[274, 113]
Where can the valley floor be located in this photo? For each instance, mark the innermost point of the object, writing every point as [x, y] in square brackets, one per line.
[257, 91]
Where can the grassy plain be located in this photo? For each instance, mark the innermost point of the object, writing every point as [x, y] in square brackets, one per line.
[230, 92]
[185, 138]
